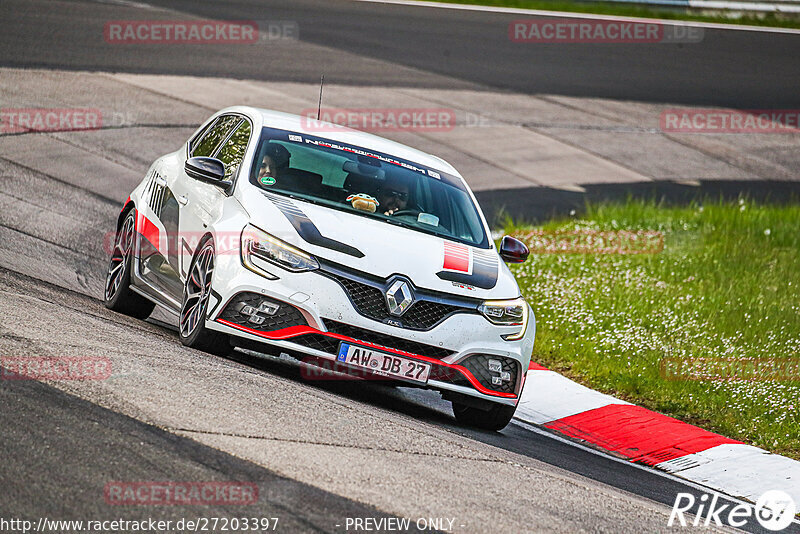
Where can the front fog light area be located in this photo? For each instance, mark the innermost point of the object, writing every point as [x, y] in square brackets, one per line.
[493, 372]
[496, 366]
[261, 313]
[507, 313]
[260, 249]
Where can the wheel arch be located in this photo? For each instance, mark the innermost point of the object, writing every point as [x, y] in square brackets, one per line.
[126, 208]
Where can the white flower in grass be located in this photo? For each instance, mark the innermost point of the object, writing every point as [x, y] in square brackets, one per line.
[767, 231]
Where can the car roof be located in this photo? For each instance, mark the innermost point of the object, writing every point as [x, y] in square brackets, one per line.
[296, 123]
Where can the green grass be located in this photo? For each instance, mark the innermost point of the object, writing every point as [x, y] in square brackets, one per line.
[727, 284]
[629, 10]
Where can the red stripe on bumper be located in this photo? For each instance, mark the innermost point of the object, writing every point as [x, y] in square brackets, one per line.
[637, 433]
[295, 331]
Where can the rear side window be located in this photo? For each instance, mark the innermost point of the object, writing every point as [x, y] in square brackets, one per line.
[232, 152]
[211, 139]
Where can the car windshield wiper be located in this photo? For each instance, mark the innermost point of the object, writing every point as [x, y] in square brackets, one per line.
[401, 223]
[426, 231]
[304, 199]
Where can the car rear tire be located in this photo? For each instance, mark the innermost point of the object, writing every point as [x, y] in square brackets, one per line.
[492, 416]
[196, 292]
[118, 294]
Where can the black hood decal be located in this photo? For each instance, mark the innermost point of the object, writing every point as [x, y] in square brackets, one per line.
[484, 271]
[307, 229]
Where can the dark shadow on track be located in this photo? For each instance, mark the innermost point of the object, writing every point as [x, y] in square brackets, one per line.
[60, 451]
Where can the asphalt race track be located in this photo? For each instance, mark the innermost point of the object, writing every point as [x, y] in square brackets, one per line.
[320, 452]
[738, 69]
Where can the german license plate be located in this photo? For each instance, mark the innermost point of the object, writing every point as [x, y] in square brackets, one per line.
[383, 363]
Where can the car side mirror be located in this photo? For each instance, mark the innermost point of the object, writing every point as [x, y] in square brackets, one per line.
[210, 170]
[513, 250]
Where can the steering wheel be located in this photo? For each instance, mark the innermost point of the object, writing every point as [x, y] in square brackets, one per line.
[400, 213]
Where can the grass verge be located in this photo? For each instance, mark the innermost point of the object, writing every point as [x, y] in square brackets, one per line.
[725, 286]
[633, 10]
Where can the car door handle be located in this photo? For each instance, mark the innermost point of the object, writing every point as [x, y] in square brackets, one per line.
[183, 200]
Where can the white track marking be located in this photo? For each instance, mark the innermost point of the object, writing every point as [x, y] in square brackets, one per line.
[548, 396]
[732, 469]
[743, 470]
[685, 481]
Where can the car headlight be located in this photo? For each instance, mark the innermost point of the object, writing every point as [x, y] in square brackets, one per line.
[507, 313]
[259, 247]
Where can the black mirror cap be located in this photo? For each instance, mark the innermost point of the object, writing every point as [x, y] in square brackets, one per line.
[513, 250]
[209, 170]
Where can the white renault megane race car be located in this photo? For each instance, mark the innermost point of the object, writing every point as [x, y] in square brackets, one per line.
[276, 232]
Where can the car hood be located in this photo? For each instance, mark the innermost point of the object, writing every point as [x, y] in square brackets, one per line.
[382, 249]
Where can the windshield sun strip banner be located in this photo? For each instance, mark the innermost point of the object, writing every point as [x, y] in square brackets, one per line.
[303, 139]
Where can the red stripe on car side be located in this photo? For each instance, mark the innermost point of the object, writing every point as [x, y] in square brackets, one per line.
[536, 367]
[148, 230]
[295, 331]
[638, 434]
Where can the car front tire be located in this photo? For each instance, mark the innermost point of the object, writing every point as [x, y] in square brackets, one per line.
[118, 294]
[491, 416]
[196, 292]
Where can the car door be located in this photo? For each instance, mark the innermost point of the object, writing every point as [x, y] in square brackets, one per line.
[200, 203]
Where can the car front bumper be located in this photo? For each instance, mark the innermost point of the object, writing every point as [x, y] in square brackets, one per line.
[458, 348]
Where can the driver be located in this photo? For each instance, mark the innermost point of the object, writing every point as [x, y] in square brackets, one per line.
[393, 196]
[274, 162]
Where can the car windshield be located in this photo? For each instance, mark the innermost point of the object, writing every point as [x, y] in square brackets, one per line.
[367, 183]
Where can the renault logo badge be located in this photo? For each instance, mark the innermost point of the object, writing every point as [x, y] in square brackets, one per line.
[399, 297]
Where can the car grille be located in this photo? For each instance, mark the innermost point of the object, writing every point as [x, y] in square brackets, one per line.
[285, 316]
[386, 340]
[370, 302]
[478, 365]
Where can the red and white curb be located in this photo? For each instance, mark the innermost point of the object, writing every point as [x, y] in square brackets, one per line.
[641, 436]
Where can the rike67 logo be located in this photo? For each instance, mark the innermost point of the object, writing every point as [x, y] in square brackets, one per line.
[775, 510]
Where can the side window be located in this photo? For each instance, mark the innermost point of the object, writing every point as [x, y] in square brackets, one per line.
[199, 137]
[214, 136]
[232, 152]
